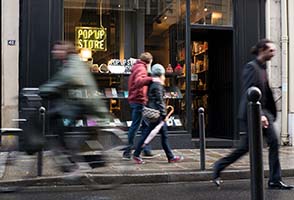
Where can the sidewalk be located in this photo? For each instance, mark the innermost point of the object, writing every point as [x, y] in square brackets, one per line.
[23, 170]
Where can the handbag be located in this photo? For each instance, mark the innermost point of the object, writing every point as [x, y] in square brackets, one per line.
[150, 114]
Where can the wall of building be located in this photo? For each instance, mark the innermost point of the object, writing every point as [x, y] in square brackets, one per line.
[280, 28]
[273, 19]
[10, 61]
[291, 68]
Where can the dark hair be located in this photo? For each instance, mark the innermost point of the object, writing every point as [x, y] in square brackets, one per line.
[146, 57]
[69, 47]
[261, 44]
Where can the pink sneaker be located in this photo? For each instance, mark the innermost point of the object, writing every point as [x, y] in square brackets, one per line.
[138, 160]
[176, 159]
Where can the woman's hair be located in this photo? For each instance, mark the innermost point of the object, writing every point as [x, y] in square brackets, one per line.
[146, 57]
[69, 47]
[261, 45]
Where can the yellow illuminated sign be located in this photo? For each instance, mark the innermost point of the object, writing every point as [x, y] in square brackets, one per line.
[91, 38]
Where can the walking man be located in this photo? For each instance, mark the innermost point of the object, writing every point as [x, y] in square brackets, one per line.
[138, 82]
[254, 74]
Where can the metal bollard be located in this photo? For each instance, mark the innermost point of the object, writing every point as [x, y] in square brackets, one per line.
[255, 143]
[202, 137]
[42, 112]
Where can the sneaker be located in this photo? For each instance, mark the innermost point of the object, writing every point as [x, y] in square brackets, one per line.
[126, 156]
[138, 160]
[217, 181]
[176, 159]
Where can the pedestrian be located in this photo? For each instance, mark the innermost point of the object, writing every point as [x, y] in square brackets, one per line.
[63, 90]
[156, 93]
[137, 89]
[254, 74]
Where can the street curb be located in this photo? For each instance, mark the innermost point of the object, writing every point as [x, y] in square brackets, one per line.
[166, 177]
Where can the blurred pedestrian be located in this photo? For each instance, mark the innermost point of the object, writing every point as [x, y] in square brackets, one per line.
[137, 89]
[254, 74]
[156, 93]
[66, 92]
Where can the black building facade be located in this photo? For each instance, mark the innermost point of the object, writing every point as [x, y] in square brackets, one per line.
[44, 21]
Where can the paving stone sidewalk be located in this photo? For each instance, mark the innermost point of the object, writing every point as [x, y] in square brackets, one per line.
[15, 166]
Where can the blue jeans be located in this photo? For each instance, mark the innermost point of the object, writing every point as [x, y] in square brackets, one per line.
[146, 129]
[136, 122]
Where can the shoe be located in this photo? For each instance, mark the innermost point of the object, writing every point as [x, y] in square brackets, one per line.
[217, 181]
[176, 159]
[126, 155]
[280, 185]
[138, 160]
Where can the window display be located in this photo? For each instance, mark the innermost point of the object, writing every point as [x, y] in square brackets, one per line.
[115, 33]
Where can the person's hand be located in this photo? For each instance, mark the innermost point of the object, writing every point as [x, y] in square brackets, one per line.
[156, 79]
[264, 121]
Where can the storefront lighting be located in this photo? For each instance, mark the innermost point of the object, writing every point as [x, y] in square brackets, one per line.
[165, 17]
[216, 15]
[205, 9]
[86, 54]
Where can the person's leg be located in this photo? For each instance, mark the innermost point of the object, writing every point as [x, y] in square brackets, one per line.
[164, 142]
[242, 149]
[146, 129]
[136, 122]
[221, 164]
[273, 156]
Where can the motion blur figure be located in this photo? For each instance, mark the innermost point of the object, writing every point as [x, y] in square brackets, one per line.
[73, 95]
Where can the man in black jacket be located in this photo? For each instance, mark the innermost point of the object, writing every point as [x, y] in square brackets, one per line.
[254, 74]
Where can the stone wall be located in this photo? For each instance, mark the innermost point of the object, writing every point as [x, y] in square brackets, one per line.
[10, 62]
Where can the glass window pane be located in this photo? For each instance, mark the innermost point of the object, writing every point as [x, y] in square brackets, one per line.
[212, 12]
[117, 30]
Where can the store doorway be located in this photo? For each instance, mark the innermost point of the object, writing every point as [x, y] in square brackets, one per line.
[213, 85]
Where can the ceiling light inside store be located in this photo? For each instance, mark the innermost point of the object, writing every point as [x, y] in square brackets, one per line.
[86, 54]
[216, 15]
[165, 17]
[205, 9]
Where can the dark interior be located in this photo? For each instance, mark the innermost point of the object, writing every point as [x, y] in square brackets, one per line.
[219, 113]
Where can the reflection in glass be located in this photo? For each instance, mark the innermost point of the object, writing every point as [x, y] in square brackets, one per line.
[211, 12]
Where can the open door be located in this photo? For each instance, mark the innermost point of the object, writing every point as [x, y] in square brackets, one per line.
[213, 80]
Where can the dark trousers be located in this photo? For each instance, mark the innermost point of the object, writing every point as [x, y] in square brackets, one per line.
[136, 123]
[273, 144]
[146, 129]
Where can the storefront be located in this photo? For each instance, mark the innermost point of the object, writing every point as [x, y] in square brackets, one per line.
[202, 44]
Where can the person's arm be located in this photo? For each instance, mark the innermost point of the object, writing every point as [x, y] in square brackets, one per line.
[158, 93]
[142, 78]
[251, 78]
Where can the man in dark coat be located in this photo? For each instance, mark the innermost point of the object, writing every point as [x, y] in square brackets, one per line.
[254, 74]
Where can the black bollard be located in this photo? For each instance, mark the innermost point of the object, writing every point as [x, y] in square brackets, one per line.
[255, 143]
[42, 112]
[202, 137]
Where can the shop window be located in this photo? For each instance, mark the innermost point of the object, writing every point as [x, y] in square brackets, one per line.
[212, 12]
[111, 33]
